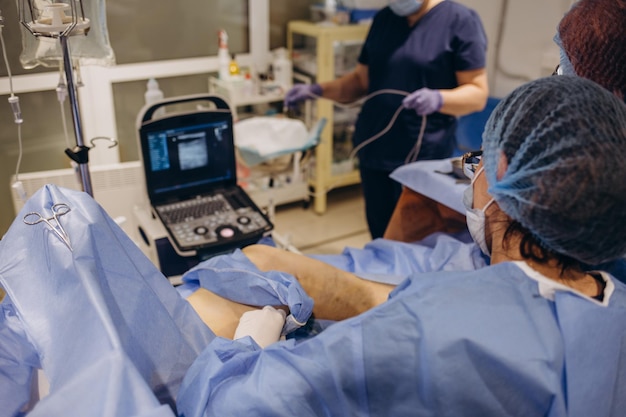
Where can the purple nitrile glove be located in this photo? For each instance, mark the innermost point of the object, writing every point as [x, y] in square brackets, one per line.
[424, 101]
[302, 92]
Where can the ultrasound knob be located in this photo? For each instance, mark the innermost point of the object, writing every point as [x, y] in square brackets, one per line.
[201, 230]
[244, 220]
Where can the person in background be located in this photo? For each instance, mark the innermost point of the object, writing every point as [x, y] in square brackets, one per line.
[533, 334]
[430, 56]
[591, 38]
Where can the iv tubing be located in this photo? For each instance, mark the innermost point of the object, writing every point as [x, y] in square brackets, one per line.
[6, 60]
[19, 154]
[14, 102]
[61, 95]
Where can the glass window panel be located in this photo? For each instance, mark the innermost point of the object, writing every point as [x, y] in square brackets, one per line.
[137, 40]
[43, 135]
[141, 30]
[43, 142]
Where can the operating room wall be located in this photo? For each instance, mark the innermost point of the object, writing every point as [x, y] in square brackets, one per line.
[520, 39]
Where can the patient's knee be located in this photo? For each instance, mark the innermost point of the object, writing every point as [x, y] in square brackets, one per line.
[261, 256]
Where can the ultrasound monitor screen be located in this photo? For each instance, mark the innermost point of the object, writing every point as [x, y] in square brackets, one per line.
[185, 159]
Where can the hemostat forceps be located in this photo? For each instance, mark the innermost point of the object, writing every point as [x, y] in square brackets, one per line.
[53, 222]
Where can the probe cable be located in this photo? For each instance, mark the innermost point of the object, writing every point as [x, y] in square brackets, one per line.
[413, 154]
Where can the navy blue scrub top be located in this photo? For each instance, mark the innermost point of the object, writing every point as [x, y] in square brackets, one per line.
[449, 38]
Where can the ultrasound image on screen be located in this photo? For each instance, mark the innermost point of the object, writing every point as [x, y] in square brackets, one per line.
[192, 151]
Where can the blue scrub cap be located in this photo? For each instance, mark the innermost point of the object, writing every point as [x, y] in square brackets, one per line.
[564, 143]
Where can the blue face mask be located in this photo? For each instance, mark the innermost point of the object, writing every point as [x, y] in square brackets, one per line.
[565, 66]
[405, 7]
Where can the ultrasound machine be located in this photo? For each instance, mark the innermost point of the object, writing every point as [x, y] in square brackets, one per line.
[197, 209]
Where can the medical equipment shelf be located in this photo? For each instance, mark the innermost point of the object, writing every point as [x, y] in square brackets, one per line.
[239, 98]
[280, 192]
[326, 35]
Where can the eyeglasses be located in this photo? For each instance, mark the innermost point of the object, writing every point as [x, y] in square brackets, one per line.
[557, 70]
[470, 161]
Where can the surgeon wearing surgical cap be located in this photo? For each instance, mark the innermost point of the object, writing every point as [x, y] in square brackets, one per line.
[533, 334]
[592, 42]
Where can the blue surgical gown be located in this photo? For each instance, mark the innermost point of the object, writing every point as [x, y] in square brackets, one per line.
[478, 343]
[391, 262]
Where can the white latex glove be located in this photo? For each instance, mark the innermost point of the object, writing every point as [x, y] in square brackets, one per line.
[264, 326]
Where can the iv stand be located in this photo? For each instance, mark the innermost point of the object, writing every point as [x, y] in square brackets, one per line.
[80, 153]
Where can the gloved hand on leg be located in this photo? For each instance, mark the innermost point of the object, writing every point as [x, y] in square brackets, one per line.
[264, 325]
[424, 101]
[302, 92]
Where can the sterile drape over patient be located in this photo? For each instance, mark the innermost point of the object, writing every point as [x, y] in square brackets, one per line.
[100, 320]
[111, 334]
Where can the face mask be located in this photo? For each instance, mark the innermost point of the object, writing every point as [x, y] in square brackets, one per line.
[565, 66]
[405, 7]
[475, 218]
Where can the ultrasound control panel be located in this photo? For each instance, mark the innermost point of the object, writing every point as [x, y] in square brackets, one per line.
[211, 221]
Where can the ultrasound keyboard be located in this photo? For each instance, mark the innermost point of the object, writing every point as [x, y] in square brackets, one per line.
[209, 221]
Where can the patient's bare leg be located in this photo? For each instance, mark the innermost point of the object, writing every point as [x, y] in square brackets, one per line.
[414, 217]
[220, 314]
[337, 294]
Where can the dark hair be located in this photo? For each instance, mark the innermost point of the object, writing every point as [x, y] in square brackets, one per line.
[531, 248]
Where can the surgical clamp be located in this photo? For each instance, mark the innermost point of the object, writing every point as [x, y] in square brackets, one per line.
[53, 222]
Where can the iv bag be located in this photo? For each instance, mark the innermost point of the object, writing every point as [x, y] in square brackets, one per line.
[90, 49]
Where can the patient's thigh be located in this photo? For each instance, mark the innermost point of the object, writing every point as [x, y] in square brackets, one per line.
[220, 314]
